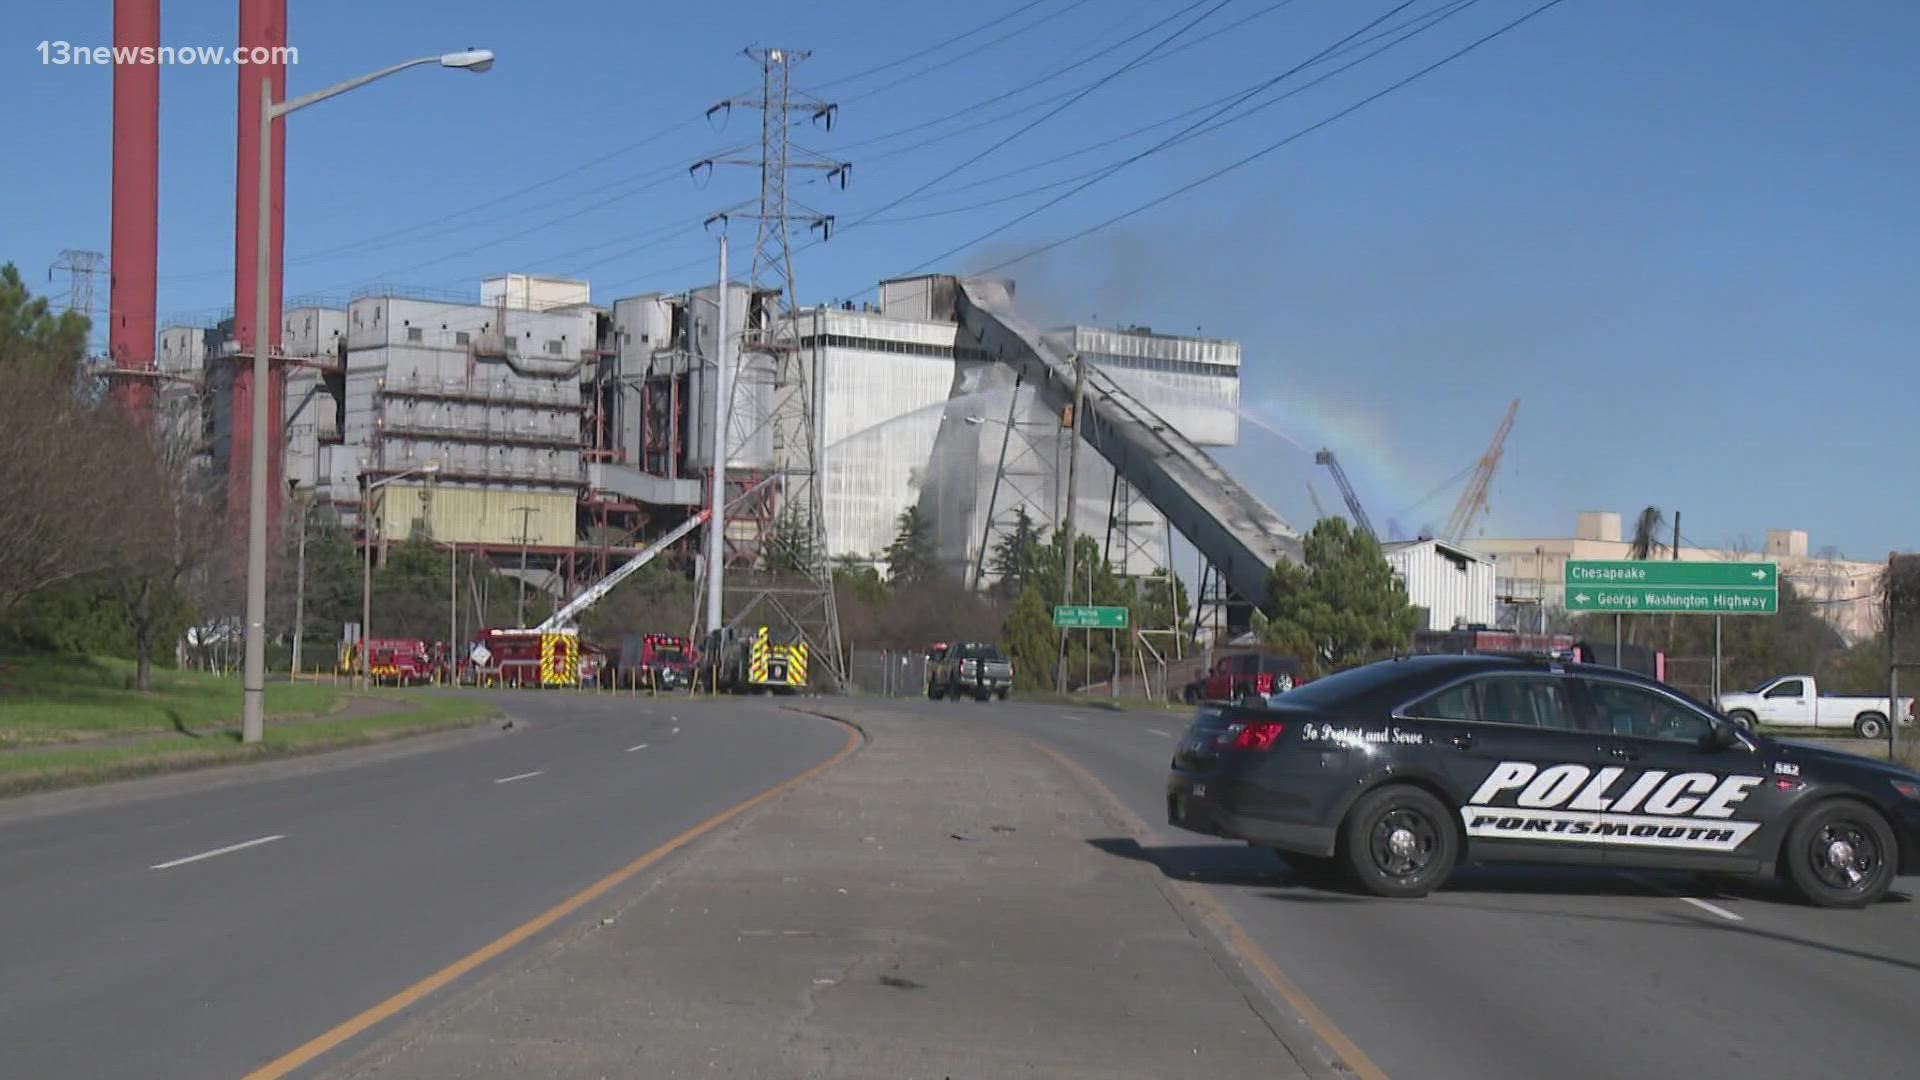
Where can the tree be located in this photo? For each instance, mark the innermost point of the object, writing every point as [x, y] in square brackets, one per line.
[1030, 640]
[1344, 606]
[173, 502]
[790, 550]
[62, 458]
[33, 339]
[1017, 556]
[912, 558]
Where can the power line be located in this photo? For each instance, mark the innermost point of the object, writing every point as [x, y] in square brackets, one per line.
[1051, 113]
[954, 40]
[1177, 136]
[1242, 162]
[1192, 131]
[1096, 54]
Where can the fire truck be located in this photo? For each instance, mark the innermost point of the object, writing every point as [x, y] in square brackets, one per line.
[525, 657]
[743, 663]
[662, 661]
[394, 661]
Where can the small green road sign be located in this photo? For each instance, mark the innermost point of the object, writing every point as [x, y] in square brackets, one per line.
[1079, 617]
[1631, 586]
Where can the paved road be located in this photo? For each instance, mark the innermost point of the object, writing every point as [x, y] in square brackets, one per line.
[125, 953]
[1531, 972]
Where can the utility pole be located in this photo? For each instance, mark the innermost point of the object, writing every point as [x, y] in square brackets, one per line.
[300, 588]
[453, 605]
[520, 605]
[366, 578]
[716, 485]
[1066, 515]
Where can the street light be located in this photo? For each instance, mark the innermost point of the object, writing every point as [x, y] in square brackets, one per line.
[253, 714]
[366, 570]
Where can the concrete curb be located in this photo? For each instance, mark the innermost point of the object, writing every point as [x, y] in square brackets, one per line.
[1319, 1048]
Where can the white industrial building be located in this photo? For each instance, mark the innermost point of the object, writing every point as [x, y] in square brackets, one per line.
[491, 395]
[914, 412]
[556, 425]
[1452, 585]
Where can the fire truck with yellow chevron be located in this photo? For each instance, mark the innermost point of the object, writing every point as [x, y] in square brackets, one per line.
[550, 654]
[758, 659]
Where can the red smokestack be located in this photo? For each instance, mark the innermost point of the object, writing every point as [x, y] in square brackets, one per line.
[136, 203]
[263, 25]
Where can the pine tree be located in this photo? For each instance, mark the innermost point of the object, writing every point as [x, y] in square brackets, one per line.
[1344, 606]
[912, 558]
[1017, 556]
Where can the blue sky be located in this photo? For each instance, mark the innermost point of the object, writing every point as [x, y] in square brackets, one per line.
[1682, 234]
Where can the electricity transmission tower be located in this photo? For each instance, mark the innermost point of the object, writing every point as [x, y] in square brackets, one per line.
[82, 266]
[795, 538]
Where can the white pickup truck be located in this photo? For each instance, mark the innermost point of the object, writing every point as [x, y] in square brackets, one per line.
[1796, 701]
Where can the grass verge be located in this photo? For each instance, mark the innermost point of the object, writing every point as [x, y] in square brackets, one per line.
[61, 699]
[42, 768]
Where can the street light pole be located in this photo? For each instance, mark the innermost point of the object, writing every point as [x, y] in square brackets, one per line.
[253, 682]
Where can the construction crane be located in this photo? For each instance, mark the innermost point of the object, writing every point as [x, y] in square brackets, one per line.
[1473, 501]
[593, 593]
[1325, 457]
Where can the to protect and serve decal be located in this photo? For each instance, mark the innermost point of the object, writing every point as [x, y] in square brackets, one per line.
[1645, 808]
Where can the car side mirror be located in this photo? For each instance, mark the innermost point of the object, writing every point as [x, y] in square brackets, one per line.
[1724, 735]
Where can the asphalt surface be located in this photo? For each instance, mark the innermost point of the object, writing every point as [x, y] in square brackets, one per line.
[1527, 972]
[135, 944]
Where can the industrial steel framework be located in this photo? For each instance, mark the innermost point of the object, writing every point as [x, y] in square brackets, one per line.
[1028, 465]
[771, 334]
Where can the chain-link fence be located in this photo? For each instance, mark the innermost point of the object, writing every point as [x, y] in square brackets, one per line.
[887, 672]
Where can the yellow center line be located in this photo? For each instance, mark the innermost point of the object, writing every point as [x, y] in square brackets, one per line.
[356, 1025]
[1243, 945]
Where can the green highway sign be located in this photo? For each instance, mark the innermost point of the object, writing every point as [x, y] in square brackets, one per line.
[1077, 617]
[1631, 586]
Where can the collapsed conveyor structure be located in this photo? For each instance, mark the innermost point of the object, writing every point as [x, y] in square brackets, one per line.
[1235, 532]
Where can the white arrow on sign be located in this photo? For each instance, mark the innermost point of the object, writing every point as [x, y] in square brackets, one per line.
[1581, 597]
[1759, 575]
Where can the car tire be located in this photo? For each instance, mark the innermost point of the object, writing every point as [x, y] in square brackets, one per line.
[982, 695]
[1870, 726]
[1841, 854]
[1399, 841]
[1743, 719]
[1003, 694]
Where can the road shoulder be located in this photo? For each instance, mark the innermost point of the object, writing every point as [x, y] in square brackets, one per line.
[934, 906]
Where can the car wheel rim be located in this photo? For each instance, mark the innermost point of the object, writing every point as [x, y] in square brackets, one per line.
[1403, 843]
[1845, 856]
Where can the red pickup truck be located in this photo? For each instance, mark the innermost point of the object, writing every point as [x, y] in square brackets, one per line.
[1245, 675]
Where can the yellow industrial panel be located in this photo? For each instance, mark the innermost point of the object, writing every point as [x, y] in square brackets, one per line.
[475, 515]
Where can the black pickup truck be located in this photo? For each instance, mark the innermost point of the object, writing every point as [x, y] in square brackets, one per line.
[969, 668]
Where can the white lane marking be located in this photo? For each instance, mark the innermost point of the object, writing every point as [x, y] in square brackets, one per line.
[1157, 731]
[676, 731]
[519, 776]
[229, 849]
[1070, 716]
[631, 749]
[1714, 908]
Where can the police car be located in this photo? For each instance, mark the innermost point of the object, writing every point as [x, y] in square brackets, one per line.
[1397, 771]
